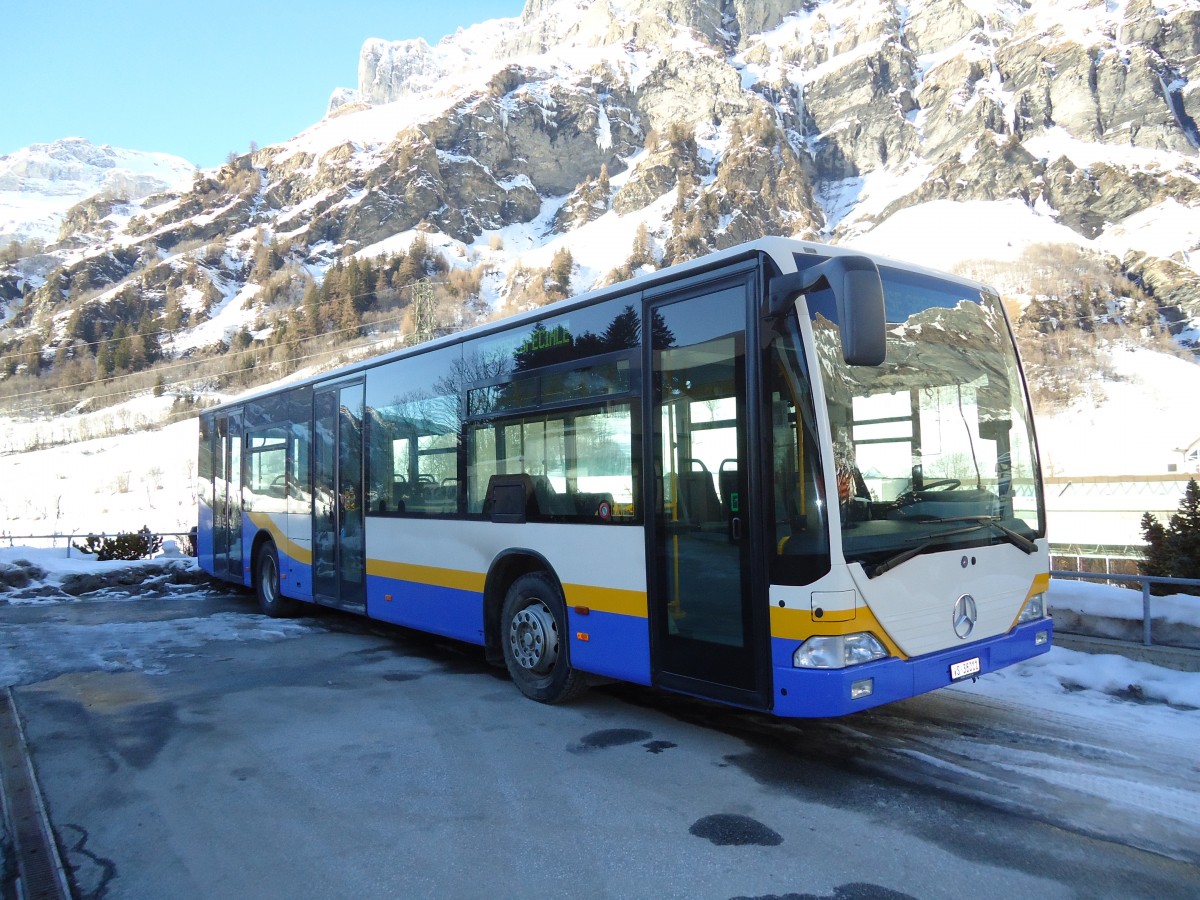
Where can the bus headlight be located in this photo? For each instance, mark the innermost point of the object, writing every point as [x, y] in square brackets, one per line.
[1034, 609]
[837, 651]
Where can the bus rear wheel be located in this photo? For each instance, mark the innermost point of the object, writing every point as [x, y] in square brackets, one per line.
[266, 585]
[533, 633]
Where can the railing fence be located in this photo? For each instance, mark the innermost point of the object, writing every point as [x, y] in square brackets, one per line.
[54, 539]
[1145, 581]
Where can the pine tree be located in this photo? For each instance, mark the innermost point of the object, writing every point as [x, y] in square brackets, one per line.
[122, 346]
[1174, 551]
[624, 331]
[150, 346]
[370, 280]
[104, 359]
[560, 273]
[642, 253]
[603, 186]
[172, 312]
[311, 319]
[1155, 562]
[347, 316]
[412, 266]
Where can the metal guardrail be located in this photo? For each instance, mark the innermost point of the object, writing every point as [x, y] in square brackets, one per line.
[82, 535]
[1144, 580]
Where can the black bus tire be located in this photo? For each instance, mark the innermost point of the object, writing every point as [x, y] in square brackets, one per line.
[534, 636]
[266, 585]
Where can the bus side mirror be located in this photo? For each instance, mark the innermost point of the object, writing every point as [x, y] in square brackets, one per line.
[858, 295]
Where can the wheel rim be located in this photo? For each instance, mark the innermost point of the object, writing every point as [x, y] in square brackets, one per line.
[268, 579]
[533, 638]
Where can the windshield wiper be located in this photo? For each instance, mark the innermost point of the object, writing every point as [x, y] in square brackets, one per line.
[1015, 538]
[905, 555]
[981, 522]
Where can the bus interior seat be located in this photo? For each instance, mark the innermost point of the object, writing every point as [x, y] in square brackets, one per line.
[551, 502]
[698, 501]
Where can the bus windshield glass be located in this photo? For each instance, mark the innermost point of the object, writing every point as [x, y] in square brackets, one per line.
[934, 448]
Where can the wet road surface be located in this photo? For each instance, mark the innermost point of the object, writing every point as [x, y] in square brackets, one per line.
[188, 747]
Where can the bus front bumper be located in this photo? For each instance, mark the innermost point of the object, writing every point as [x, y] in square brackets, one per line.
[820, 693]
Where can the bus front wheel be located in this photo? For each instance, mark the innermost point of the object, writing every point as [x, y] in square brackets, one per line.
[266, 584]
[534, 637]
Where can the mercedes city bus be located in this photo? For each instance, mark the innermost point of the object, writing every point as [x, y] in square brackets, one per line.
[785, 476]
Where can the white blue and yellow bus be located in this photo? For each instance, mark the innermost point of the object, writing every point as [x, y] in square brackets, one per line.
[783, 476]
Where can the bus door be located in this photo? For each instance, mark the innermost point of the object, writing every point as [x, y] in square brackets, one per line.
[339, 549]
[227, 498]
[708, 638]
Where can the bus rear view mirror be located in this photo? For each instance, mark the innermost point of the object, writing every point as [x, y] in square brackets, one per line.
[858, 296]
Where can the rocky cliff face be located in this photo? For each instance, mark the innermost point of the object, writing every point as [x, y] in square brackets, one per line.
[704, 123]
[39, 184]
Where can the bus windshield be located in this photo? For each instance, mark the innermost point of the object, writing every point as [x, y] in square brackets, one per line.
[934, 448]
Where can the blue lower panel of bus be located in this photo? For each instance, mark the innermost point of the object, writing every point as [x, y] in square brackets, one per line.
[204, 539]
[447, 611]
[827, 692]
[295, 578]
[611, 644]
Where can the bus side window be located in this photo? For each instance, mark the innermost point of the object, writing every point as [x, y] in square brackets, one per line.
[801, 538]
[580, 462]
[266, 485]
[413, 419]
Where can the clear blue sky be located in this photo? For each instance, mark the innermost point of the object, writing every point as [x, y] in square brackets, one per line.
[196, 80]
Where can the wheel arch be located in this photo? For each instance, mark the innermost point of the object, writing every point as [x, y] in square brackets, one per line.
[261, 538]
[506, 568]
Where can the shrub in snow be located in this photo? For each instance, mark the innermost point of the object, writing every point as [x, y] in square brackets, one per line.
[1173, 550]
[141, 544]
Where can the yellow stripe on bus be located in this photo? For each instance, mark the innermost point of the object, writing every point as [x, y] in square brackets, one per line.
[599, 599]
[1041, 584]
[282, 541]
[430, 575]
[608, 600]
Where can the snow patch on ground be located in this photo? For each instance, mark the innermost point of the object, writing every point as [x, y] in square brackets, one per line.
[107, 484]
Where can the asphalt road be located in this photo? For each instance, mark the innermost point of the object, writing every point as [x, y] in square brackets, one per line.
[189, 748]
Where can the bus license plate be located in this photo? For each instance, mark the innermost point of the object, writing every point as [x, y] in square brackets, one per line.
[964, 669]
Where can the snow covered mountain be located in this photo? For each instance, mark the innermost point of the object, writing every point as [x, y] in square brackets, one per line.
[523, 158]
[41, 183]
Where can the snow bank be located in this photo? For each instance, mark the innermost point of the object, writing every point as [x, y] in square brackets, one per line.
[1112, 602]
[1107, 611]
[37, 575]
[1108, 690]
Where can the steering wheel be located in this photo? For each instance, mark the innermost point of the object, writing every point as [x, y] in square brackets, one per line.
[911, 497]
[942, 484]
